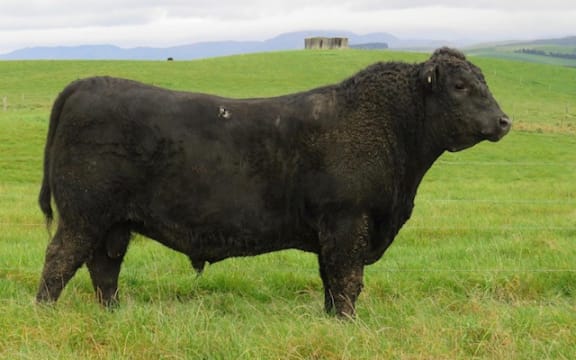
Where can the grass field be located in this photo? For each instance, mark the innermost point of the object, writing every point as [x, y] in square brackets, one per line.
[484, 269]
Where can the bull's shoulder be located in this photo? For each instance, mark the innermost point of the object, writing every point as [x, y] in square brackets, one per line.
[318, 107]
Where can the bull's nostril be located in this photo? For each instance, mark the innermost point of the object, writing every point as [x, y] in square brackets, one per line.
[504, 122]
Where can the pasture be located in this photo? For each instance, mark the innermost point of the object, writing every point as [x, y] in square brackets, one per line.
[483, 269]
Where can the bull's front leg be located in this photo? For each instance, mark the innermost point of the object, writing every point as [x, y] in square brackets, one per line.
[341, 259]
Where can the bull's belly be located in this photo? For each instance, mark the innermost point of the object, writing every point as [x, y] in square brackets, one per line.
[219, 241]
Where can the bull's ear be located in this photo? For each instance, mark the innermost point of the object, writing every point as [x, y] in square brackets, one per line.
[430, 76]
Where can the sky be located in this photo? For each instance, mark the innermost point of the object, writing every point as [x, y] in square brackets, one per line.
[132, 23]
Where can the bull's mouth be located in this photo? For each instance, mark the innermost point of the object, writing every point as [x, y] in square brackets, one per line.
[494, 137]
[504, 125]
[501, 128]
[497, 135]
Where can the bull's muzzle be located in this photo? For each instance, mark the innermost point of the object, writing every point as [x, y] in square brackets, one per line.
[500, 129]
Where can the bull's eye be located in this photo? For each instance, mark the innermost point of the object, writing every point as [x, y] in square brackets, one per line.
[460, 86]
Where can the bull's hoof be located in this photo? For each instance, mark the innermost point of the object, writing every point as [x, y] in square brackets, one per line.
[41, 301]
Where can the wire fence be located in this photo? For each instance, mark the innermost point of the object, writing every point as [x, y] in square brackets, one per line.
[430, 200]
[493, 202]
[570, 226]
[409, 227]
[480, 270]
[398, 270]
[507, 163]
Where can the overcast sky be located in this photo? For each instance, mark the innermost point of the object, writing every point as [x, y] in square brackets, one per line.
[130, 23]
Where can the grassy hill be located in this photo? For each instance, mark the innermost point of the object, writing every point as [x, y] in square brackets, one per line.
[549, 51]
[484, 269]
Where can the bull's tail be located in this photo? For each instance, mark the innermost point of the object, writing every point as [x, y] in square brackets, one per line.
[45, 197]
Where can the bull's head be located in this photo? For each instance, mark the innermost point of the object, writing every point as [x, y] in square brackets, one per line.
[460, 109]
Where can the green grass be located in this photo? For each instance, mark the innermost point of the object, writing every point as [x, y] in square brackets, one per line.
[484, 269]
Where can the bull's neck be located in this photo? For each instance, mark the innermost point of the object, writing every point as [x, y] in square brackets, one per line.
[395, 109]
[419, 145]
[415, 133]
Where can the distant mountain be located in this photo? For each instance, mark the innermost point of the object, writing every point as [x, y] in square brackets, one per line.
[110, 52]
[287, 41]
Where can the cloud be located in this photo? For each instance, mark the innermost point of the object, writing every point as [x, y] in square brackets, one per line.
[522, 5]
[16, 14]
[171, 22]
[68, 14]
[35, 14]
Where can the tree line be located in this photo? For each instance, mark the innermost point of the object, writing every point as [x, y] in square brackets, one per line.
[546, 53]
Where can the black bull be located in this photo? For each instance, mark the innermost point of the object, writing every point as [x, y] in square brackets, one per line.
[333, 170]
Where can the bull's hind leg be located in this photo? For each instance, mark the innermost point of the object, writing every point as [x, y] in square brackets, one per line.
[66, 252]
[105, 262]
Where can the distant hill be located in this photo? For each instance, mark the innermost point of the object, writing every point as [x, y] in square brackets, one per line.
[566, 41]
[548, 51]
[287, 41]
